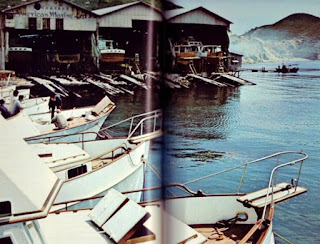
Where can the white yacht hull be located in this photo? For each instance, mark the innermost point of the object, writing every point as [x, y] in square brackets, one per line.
[72, 134]
[124, 174]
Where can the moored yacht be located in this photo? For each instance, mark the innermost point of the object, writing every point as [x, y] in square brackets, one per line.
[37, 128]
[92, 167]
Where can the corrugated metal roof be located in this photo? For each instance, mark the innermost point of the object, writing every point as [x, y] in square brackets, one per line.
[109, 10]
[170, 14]
[20, 5]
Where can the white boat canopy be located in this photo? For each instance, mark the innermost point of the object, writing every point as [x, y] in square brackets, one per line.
[27, 184]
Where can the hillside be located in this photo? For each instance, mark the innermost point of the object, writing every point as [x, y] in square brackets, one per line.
[295, 37]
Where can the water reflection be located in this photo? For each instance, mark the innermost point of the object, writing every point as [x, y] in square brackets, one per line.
[200, 113]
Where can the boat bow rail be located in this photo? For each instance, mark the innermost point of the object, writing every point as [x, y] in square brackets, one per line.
[275, 192]
[142, 127]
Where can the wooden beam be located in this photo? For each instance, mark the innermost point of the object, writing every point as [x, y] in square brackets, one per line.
[251, 232]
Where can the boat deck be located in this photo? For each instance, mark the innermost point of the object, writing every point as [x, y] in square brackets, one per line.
[226, 235]
[77, 121]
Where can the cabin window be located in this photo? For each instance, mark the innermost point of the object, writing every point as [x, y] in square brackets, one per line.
[5, 209]
[77, 171]
[6, 240]
[46, 24]
[32, 23]
[59, 24]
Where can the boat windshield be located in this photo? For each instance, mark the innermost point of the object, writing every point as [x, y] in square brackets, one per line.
[105, 44]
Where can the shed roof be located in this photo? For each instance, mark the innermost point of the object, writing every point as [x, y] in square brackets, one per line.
[26, 182]
[236, 54]
[35, 1]
[113, 9]
[171, 14]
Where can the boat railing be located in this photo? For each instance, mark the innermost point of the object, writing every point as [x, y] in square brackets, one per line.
[34, 101]
[142, 127]
[65, 205]
[112, 154]
[245, 166]
[272, 179]
[138, 128]
[270, 189]
[53, 139]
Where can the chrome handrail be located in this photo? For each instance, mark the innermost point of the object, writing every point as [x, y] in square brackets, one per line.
[141, 124]
[155, 114]
[246, 165]
[291, 163]
[133, 117]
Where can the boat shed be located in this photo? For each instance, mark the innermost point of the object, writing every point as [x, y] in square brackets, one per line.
[198, 26]
[200, 23]
[134, 27]
[50, 34]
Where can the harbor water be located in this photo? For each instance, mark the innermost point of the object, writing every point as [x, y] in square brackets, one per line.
[209, 129]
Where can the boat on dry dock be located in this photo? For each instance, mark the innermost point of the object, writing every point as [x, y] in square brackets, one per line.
[108, 53]
[38, 128]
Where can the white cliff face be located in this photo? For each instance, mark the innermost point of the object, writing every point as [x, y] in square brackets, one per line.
[256, 49]
[270, 44]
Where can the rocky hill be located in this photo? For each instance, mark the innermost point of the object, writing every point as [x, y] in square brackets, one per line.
[296, 37]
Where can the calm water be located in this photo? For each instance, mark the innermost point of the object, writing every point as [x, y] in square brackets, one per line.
[210, 129]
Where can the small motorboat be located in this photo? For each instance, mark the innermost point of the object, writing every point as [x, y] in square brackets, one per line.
[287, 69]
[37, 127]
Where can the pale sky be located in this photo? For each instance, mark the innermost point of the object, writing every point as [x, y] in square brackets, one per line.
[248, 14]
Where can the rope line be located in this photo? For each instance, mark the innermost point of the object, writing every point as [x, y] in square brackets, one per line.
[126, 147]
[281, 237]
[153, 169]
